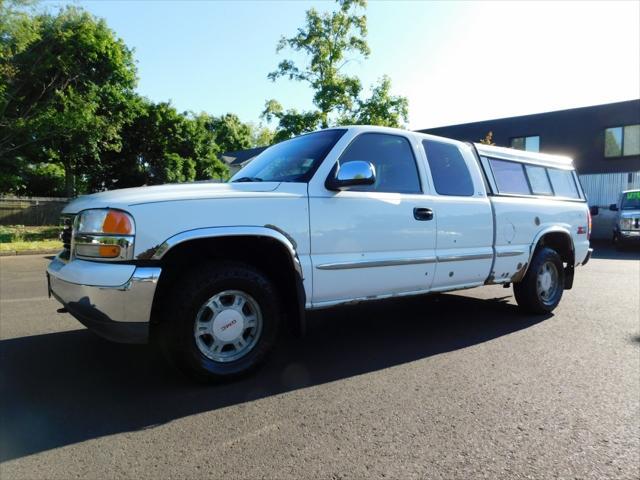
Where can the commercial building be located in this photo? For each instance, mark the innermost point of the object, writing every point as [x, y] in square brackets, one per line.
[603, 140]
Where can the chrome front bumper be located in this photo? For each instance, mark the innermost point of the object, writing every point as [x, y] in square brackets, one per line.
[630, 234]
[120, 312]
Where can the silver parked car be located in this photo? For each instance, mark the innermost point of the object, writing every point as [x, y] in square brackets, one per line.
[626, 229]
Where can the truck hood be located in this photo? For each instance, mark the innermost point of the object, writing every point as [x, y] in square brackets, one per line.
[126, 197]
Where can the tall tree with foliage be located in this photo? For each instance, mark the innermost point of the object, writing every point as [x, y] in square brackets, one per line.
[381, 108]
[161, 145]
[67, 95]
[330, 40]
[230, 133]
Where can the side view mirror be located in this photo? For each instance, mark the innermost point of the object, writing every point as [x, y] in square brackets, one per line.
[352, 174]
[613, 207]
[594, 210]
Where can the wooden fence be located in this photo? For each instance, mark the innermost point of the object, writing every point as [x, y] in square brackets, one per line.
[32, 211]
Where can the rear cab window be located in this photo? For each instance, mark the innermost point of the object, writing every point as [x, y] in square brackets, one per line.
[448, 169]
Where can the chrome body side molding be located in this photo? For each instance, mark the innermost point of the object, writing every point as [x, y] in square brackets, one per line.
[375, 263]
[511, 253]
[463, 257]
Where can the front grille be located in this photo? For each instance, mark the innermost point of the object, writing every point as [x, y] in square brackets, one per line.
[65, 235]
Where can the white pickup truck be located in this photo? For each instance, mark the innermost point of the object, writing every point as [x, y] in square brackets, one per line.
[212, 272]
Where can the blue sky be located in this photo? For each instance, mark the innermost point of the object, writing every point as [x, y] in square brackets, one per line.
[456, 61]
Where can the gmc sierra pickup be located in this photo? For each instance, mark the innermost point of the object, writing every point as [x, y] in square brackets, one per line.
[213, 271]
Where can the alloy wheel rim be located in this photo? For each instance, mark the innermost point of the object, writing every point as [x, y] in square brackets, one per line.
[228, 326]
[547, 282]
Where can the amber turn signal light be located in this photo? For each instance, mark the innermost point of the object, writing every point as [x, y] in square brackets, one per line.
[117, 222]
[108, 251]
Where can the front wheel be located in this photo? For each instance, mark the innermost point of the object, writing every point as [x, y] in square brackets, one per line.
[541, 288]
[222, 322]
[617, 241]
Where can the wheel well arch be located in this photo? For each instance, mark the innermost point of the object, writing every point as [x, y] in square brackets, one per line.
[559, 239]
[270, 252]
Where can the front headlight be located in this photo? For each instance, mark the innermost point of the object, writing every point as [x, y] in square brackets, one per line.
[103, 234]
[625, 223]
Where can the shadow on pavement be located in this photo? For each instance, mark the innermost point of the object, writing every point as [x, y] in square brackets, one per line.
[62, 388]
[606, 250]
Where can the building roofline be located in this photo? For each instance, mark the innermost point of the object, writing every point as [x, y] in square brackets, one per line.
[529, 115]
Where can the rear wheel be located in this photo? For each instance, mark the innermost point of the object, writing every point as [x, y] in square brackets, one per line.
[541, 288]
[223, 321]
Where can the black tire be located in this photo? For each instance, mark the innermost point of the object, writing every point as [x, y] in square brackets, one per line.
[191, 292]
[617, 243]
[526, 291]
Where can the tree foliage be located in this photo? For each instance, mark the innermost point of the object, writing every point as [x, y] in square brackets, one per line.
[230, 133]
[381, 108]
[488, 139]
[328, 40]
[67, 103]
[161, 145]
[71, 121]
[66, 96]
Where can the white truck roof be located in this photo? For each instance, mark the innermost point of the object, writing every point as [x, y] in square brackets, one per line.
[522, 156]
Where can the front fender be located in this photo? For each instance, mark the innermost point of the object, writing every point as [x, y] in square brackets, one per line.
[245, 231]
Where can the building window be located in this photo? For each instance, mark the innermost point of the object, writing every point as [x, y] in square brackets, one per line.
[622, 141]
[530, 144]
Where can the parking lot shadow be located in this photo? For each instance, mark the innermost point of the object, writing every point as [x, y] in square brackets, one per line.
[606, 250]
[62, 388]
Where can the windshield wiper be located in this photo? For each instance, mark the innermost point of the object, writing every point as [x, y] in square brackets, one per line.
[248, 179]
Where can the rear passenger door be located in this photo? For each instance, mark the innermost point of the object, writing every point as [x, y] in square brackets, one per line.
[463, 216]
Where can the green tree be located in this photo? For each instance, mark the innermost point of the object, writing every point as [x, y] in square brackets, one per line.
[45, 180]
[161, 145]
[290, 122]
[230, 133]
[329, 41]
[66, 97]
[381, 108]
[261, 136]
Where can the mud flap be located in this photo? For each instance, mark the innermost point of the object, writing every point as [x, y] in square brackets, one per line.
[569, 271]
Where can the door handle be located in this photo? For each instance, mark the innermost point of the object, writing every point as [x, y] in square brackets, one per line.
[422, 214]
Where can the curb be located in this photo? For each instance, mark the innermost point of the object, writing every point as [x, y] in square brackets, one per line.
[14, 253]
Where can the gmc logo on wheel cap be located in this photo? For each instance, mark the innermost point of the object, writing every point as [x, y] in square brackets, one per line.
[224, 327]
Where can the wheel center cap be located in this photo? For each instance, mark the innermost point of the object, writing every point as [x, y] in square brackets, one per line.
[546, 281]
[228, 325]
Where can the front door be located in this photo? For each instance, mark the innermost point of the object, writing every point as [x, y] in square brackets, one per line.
[377, 240]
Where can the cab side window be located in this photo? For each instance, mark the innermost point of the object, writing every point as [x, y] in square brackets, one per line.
[448, 169]
[393, 159]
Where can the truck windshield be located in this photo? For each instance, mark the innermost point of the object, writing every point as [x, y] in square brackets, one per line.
[294, 160]
[631, 201]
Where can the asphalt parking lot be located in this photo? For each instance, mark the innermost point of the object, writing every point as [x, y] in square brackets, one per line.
[447, 386]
